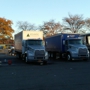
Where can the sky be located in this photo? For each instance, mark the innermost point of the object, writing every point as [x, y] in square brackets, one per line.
[38, 11]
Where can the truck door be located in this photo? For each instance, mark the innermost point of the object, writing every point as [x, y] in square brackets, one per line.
[66, 45]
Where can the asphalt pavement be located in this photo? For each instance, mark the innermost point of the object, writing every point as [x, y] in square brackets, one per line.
[59, 75]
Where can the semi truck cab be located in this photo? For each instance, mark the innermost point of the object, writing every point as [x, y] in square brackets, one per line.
[29, 46]
[76, 49]
[70, 46]
[34, 49]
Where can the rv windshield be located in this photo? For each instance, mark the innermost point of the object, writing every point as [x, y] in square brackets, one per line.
[35, 42]
[75, 41]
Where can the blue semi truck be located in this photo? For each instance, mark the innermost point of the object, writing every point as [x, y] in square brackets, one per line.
[68, 46]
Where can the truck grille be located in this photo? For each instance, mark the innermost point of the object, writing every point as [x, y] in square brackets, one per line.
[39, 58]
[82, 52]
[39, 53]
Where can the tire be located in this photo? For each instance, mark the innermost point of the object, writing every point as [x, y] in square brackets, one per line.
[41, 63]
[23, 57]
[69, 57]
[26, 59]
[85, 59]
[54, 55]
[61, 56]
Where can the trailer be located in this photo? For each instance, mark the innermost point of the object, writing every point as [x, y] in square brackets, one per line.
[68, 46]
[29, 46]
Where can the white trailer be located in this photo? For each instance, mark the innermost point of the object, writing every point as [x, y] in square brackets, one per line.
[29, 46]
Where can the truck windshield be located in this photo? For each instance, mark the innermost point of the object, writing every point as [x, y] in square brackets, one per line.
[35, 42]
[75, 41]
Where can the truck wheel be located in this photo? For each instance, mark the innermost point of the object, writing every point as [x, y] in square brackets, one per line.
[23, 57]
[69, 58]
[41, 63]
[85, 59]
[61, 56]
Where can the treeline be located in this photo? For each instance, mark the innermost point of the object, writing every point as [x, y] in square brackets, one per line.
[71, 24]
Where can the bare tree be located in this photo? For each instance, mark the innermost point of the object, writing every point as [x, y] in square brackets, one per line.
[25, 25]
[74, 23]
[87, 23]
[51, 27]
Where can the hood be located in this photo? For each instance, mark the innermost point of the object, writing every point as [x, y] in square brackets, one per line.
[78, 45]
[36, 47]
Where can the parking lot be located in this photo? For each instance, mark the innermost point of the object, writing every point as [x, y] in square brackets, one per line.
[56, 75]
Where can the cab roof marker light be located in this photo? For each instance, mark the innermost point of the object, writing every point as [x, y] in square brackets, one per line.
[68, 36]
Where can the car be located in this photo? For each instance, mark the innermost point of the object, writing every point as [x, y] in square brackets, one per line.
[11, 50]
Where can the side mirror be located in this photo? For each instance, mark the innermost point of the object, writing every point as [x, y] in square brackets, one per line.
[46, 43]
[43, 42]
